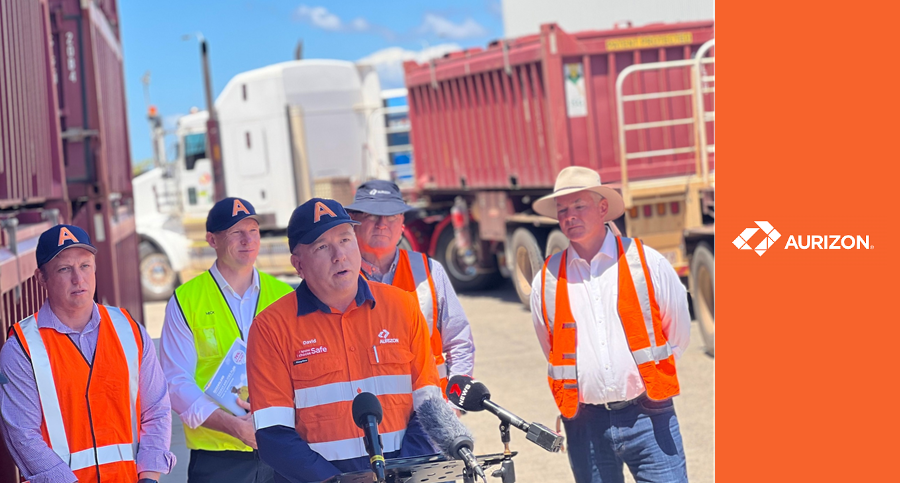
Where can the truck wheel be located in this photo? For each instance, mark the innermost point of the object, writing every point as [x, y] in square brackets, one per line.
[703, 293]
[465, 278]
[527, 262]
[556, 242]
[158, 279]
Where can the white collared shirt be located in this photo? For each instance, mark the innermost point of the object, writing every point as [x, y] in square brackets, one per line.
[178, 354]
[606, 369]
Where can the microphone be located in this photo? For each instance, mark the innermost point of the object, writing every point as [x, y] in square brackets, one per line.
[471, 395]
[367, 415]
[448, 434]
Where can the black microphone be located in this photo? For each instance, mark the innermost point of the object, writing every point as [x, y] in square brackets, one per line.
[471, 395]
[367, 415]
[447, 433]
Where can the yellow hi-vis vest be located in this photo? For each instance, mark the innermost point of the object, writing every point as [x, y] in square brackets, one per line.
[215, 329]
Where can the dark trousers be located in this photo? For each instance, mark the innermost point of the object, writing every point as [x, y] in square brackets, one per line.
[228, 466]
[644, 436]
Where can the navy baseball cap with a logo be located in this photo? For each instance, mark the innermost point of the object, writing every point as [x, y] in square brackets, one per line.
[313, 218]
[379, 197]
[57, 239]
[225, 213]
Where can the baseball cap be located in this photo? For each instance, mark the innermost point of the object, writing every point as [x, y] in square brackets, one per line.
[379, 197]
[57, 239]
[225, 213]
[311, 219]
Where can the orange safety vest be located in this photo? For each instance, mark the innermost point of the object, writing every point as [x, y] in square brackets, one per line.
[91, 412]
[413, 275]
[638, 312]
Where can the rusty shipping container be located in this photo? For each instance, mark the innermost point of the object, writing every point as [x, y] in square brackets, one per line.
[64, 152]
[513, 115]
[91, 90]
[31, 169]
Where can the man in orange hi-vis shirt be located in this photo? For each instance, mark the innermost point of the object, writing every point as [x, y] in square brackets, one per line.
[309, 355]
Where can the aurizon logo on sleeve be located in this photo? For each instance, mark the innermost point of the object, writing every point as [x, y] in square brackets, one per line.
[799, 242]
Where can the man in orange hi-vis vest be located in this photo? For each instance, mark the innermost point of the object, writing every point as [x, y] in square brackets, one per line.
[612, 317]
[310, 353]
[378, 206]
[86, 399]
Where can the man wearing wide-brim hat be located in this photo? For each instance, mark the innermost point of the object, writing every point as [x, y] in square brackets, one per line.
[612, 318]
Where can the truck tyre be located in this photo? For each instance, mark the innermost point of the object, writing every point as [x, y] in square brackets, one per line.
[703, 294]
[556, 242]
[527, 262]
[464, 278]
[158, 279]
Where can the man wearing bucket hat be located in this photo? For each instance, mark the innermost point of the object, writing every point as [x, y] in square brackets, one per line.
[379, 208]
[86, 399]
[311, 353]
[612, 318]
[204, 318]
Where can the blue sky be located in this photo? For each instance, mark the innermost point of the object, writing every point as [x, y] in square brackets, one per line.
[248, 34]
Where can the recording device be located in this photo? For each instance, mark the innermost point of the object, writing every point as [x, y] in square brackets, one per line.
[471, 395]
[448, 434]
[367, 414]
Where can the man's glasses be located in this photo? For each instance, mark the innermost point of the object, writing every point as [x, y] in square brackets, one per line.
[374, 218]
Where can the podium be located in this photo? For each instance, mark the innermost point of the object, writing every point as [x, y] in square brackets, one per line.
[421, 469]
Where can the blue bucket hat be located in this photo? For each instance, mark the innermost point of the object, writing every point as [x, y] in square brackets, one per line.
[379, 197]
[311, 219]
[53, 241]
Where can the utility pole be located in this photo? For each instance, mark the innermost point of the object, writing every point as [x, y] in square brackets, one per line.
[213, 144]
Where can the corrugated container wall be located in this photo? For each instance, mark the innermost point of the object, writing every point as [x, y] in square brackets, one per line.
[92, 97]
[31, 168]
[508, 118]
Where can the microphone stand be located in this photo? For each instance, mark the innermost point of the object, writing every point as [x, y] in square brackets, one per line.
[507, 471]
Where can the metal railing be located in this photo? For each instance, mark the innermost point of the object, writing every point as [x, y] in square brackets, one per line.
[700, 116]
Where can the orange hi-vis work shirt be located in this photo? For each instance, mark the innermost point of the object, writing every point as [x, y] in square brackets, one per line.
[307, 363]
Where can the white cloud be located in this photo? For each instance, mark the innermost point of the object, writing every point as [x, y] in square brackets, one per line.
[444, 28]
[318, 17]
[389, 62]
[321, 18]
[359, 24]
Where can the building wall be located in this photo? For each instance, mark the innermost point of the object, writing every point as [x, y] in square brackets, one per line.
[524, 17]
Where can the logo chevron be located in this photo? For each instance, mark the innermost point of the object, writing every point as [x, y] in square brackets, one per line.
[772, 235]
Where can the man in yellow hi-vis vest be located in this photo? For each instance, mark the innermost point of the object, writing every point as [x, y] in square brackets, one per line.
[203, 320]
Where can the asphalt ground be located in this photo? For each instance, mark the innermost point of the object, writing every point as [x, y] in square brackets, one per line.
[510, 362]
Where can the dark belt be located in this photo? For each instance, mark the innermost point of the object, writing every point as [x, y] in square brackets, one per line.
[615, 406]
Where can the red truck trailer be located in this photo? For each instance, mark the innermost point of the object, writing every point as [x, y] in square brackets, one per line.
[491, 128]
[64, 154]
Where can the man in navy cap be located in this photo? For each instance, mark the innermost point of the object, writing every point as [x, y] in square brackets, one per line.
[312, 353]
[204, 318]
[86, 398]
[379, 209]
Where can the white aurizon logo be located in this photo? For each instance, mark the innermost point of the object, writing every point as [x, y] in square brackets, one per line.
[772, 236]
[383, 337]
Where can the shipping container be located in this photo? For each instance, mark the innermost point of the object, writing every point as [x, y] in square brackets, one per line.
[513, 115]
[31, 169]
[91, 91]
[64, 154]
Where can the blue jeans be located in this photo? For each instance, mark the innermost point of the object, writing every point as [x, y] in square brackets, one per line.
[644, 436]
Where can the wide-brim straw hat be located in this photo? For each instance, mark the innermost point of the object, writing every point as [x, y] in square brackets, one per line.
[574, 179]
